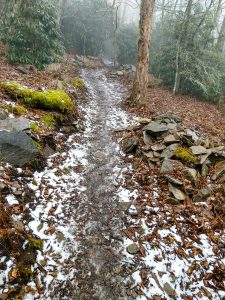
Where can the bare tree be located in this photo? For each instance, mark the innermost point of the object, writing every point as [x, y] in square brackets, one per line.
[140, 84]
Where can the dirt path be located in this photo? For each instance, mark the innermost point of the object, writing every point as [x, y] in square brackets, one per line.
[97, 216]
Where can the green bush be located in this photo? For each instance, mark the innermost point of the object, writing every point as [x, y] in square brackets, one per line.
[32, 34]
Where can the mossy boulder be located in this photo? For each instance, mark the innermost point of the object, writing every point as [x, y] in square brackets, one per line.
[56, 100]
[185, 155]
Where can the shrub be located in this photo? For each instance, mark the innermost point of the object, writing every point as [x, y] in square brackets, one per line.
[32, 34]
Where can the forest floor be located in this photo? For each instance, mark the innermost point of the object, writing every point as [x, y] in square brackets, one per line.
[108, 235]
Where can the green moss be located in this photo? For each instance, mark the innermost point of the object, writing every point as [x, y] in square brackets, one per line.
[19, 110]
[78, 83]
[185, 155]
[34, 127]
[37, 146]
[48, 120]
[35, 244]
[56, 100]
[25, 274]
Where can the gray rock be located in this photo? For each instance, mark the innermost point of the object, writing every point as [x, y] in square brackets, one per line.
[171, 139]
[119, 73]
[197, 150]
[172, 201]
[17, 148]
[158, 147]
[130, 145]
[124, 206]
[177, 193]
[147, 138]
[156, 128]
[169, 116]
[148, 154]
[167, 154]
[205, 170]
[133, 249]
[170, 165]
[16, 124]
[3, 114]
[169, 290]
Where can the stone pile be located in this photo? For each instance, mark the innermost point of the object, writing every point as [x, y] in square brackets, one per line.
[192, 167]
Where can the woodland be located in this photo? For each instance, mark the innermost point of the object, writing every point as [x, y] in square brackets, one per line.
[112, 149]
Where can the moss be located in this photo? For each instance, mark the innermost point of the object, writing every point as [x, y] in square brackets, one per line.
[35, 244]
[48, 120]
[185, 155]
[25, 274]
[34, 127]
[78, 83]
[50, 99]
[19, 110]
[37, 146]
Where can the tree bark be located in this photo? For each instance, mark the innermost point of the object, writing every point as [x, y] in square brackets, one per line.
[221, 38]
[140, 85]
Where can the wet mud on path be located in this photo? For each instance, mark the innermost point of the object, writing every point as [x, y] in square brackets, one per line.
[98, 217]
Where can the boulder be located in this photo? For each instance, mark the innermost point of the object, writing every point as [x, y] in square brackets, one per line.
[156, 128]
[16, 124]
[17, 148]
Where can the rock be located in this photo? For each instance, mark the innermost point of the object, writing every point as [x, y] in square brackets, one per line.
[3, 114]
[205, 170]
[19, 226]
[204, 158]
[169, 290]
[173, 180]
[148, 154]
[120, 73]
[169, 116]
[155, 128]
[219, 170]
[170, 165]
[167, 154]
[170, 139]
[202, 195]
[17, 148]
[144, 121]
[147, 138]
[197, 150]
[172, 201]
[133, 249]
[191, 174]
[16, 124]
[158, 147]
[124, 206]
[177, 193]
[24, 70]
[130, 145]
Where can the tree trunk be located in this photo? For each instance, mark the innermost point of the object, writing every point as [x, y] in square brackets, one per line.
[182, 44]
[221, 37]
[140, 84]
